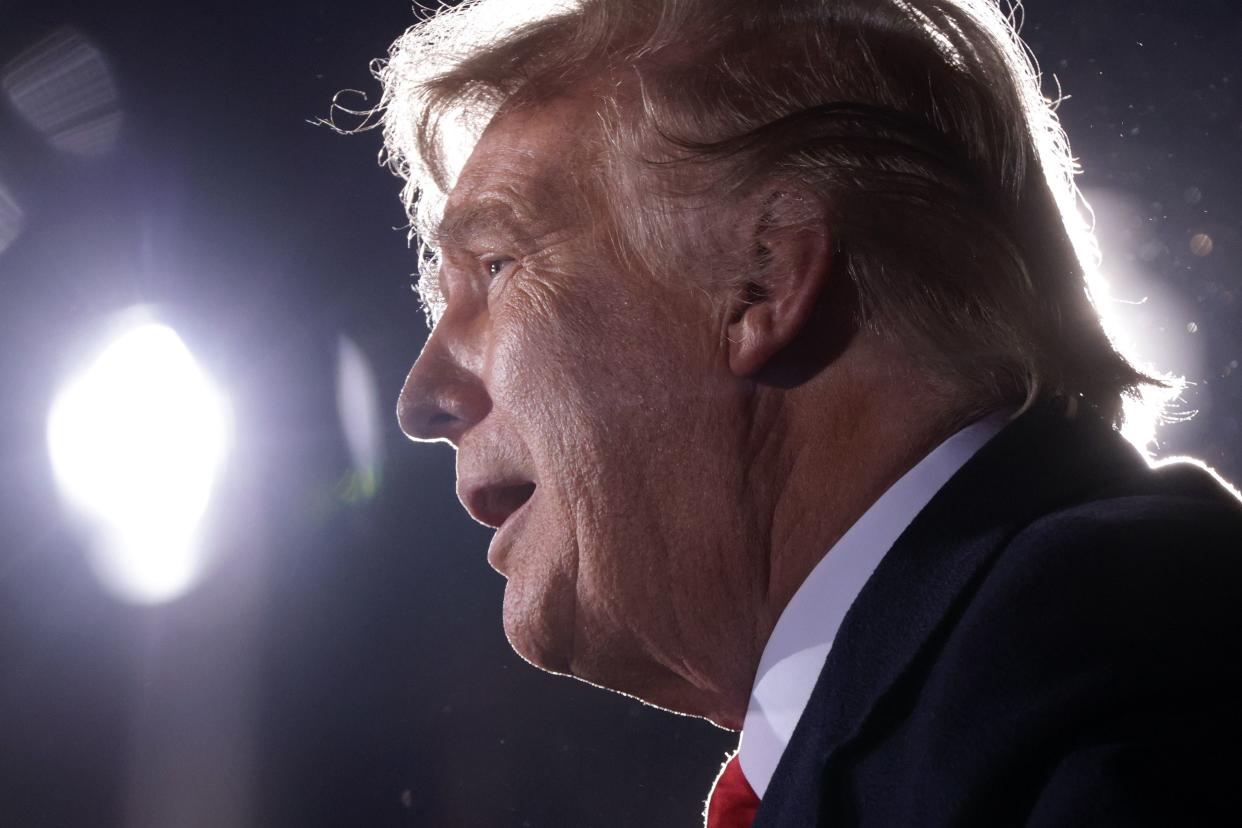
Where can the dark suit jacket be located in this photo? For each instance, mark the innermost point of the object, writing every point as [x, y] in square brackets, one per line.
[1055, 640]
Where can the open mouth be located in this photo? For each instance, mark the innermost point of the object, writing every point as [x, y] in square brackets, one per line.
[493, 504]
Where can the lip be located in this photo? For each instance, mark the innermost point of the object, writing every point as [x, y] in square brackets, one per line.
[502, 542]
[496, 484]
[493, 501]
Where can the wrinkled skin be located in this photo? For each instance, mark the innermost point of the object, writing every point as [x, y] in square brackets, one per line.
[644, 560]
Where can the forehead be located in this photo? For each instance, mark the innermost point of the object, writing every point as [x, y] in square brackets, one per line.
[527, 167]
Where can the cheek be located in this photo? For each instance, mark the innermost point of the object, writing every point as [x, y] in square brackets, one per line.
[608, 393]
[559, 353]
[609, 386]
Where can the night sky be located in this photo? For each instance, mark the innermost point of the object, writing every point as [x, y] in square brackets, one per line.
[342, 661]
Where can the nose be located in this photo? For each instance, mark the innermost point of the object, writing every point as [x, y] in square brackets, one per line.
[441, 399]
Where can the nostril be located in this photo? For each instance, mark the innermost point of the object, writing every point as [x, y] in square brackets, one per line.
[426, 420]
[440, 401]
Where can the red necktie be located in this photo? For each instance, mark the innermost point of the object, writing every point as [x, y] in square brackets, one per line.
[732, 803]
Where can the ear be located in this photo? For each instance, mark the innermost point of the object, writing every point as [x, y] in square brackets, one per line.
[790, 262]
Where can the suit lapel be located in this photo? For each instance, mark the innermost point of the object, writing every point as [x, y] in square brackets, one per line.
[1040, 460]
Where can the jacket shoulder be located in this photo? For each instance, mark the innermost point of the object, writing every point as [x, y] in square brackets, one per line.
[1176, 527]
[1142, 582]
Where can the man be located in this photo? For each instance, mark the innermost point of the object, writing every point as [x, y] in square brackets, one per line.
[763, 334]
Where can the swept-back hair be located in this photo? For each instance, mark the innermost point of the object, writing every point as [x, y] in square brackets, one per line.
[919, 124]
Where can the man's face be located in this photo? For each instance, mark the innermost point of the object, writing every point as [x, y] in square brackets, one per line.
[595, 420]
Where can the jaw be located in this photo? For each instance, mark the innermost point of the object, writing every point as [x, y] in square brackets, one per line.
[671, 692]
[549, 628]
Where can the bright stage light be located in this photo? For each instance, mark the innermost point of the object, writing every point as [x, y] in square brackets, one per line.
[135, 443]
[1143, 312]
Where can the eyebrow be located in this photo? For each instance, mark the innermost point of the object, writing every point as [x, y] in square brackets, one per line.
[456, 228]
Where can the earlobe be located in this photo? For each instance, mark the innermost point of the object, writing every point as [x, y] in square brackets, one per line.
[747, 337]
[790, 262]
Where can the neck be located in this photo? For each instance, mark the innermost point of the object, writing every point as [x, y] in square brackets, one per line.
[828, 450]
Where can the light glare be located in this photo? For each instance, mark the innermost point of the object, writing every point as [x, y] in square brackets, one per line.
[63, 87]
[135, 443]
[12, 219]
[357, 405]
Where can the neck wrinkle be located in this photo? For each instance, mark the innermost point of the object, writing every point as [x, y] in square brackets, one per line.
[811, 510]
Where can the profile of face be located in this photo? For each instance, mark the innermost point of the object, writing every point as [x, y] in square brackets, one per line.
[597, 425]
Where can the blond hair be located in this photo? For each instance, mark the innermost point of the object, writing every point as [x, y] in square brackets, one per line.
[920, 124]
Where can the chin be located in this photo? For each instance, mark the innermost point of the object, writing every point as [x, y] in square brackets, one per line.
[534, 635]
[642, 680]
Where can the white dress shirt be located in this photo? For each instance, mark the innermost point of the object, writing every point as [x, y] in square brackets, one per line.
[803, 635]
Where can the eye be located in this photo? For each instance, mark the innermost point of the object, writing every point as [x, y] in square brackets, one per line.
[495, 267]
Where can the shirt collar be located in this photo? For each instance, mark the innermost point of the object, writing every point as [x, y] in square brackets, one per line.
[803, 635]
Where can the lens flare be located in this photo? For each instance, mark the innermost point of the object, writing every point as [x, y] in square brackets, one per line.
[63, 87]
[136, 443]
[357, 405]
[12, 219]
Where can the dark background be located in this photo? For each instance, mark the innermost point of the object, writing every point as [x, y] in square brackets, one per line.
[343, 663]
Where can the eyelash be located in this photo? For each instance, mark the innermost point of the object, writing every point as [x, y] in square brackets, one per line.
[495, 267]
